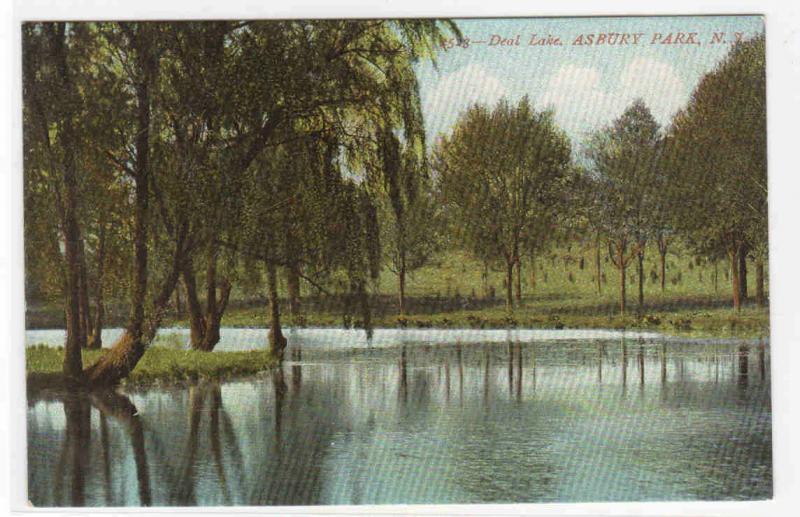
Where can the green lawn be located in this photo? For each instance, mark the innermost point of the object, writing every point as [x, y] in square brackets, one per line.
[449, 293]
[565, 296]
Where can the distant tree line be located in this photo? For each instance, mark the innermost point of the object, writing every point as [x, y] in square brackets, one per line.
[511, 185]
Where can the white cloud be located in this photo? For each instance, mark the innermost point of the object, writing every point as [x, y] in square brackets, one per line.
[657, 84]
[579, 101]
[583, 103]
[458, 90]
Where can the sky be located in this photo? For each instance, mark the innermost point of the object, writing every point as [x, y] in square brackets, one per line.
[587, 86]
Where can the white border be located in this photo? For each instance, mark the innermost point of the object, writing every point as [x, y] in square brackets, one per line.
[783, 84]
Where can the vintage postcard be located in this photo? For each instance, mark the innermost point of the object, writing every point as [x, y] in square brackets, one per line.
[396, 261]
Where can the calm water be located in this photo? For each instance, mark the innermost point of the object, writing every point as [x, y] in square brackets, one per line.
[501, 420]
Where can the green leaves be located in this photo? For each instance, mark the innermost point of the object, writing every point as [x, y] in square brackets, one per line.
[500, 175]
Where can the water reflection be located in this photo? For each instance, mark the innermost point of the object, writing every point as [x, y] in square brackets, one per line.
[511, 422]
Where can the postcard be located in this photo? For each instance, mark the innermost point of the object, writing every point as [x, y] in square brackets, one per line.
[308, 262]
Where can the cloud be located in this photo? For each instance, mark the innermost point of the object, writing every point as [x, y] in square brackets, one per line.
[578, 99]
[582, 102]
[657, 83]
[456, 91]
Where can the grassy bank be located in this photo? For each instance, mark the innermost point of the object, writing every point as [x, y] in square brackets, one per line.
[706, 321]
[159, 365]
[559, 291]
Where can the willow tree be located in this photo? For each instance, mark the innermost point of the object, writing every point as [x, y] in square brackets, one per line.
[719, 158]
[353, 82]
[195, 106]
[624, 157]
[501, 173]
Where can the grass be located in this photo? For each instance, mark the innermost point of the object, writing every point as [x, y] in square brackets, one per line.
[449, 293]
[159, 365]
[700, 322]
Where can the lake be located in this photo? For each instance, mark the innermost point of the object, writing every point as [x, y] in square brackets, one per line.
[421, 416]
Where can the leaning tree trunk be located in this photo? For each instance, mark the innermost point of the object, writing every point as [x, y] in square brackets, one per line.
[130, 347]
[760, 298]
[126, 352]
[277, 342]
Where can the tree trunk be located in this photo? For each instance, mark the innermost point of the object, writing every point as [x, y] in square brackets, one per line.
[733, 253]
[96, 340]
[401, 278]
[485, 279]
[197, 323]
[130, 347]
[141, 188]
[640, 271]
[293, 289]
[205, 325]
[760, 298]
[73, 364]
[622, 289]
[178, 304]
[126, 352]
[662, 253]
[597, 266]
[743, 273]
[277, 342]
[509, 285]
[213, 315]
[86, 315]
[716, 276]
[519, 281]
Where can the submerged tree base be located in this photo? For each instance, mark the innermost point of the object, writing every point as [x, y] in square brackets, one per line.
[159, 364]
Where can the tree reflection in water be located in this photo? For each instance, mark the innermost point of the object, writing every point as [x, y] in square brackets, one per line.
[353, 429]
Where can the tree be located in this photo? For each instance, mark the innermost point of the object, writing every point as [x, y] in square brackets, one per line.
[624, 158]
[408, 213]
[500, 174]
[53, 107]
[193, 119]
[355, 84]
[718, 160]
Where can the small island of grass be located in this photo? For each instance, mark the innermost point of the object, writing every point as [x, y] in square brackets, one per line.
[43, 365]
